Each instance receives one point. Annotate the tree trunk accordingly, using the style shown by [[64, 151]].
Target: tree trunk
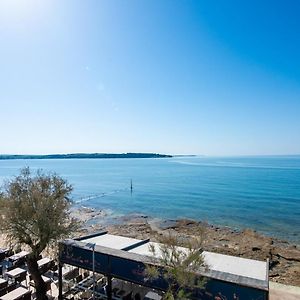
[[40, 285]]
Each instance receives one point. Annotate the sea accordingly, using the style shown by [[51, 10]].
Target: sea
[[261, 193]]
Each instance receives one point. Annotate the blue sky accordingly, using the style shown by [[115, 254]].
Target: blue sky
[[180, 77]]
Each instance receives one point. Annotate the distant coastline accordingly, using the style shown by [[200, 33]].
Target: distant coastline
[[84, 155]]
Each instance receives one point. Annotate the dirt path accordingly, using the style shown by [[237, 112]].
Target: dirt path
[[284, 292]]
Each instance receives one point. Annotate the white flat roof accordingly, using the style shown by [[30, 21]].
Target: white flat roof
[[145, 249], [236, 265], [217, 262], [228, 268], [112, 241]]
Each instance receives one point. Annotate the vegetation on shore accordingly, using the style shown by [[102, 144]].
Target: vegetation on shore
[[84, 155], [180, 265], [34, 215]]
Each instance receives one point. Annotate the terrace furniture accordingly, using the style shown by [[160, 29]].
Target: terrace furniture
[[3, 283], [3, 291], [54, 268], [78, 278], [44, 261], [10, 287], [3, 253], [17, 256], [16, 273], [45, 264], [87, 282], [22, 277], [18, 293], [70, 274], [20, 262], [9, 268], [47, 280]]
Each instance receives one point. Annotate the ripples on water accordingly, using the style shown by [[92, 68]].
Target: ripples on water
[[258, 192]]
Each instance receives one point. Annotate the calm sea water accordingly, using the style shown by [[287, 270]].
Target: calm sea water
[[262, 193]]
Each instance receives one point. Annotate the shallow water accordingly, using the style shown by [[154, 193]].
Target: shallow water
[[262, 193]]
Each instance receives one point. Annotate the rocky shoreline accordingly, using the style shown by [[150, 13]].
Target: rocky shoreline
[[284, 257]]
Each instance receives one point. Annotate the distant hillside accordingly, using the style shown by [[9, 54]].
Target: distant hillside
[[85, 155]]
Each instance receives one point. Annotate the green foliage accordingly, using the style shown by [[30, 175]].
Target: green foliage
[[85, 155], [180, 264], [35, 210]]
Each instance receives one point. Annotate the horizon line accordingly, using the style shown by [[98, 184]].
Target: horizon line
[[148, 153]]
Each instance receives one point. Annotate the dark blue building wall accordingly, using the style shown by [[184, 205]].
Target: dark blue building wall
[[135, 271]]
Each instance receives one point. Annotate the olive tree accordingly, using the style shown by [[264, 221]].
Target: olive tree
[[179, 261], [35, 214]]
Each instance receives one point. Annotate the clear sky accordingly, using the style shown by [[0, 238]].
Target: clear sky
[[179, 77]]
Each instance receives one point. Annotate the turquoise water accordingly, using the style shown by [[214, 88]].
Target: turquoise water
[[262, 193]]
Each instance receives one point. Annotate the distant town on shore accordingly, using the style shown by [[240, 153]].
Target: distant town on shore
[[84, 155]]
